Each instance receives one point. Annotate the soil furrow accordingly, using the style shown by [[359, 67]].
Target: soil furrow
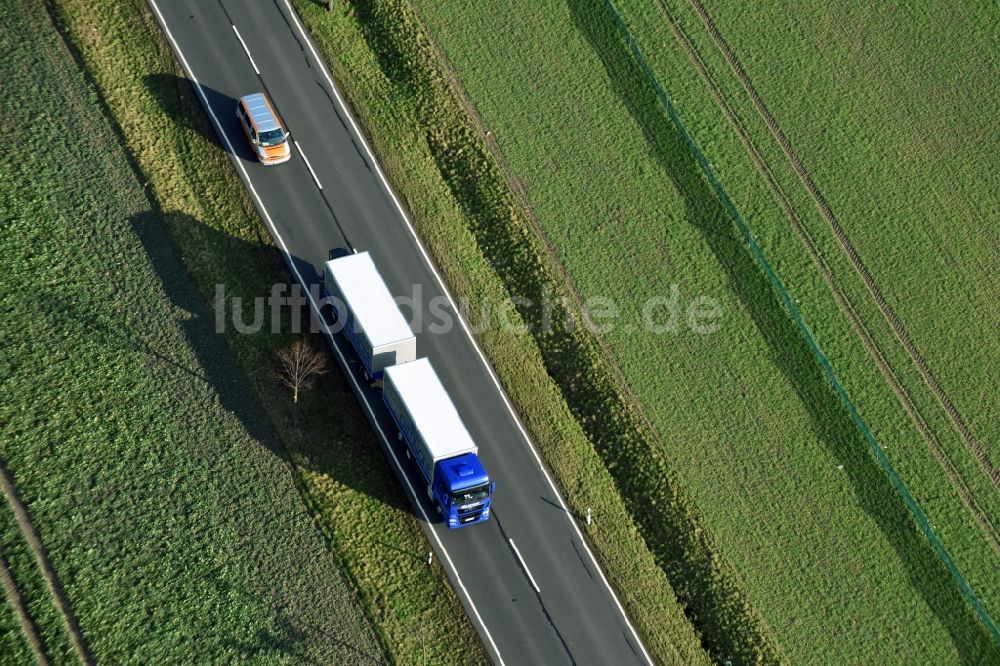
[[44, 565], [23, 618]]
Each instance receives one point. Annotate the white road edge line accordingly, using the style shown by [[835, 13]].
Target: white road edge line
[[524, 566], [465, 326], [308, 166], [245, 49], [326, 328]]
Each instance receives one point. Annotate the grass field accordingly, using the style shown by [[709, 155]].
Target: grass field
[[12, 642], [753, 431], [905, 91], [921, 436], [941, 470], [167, 507], [360, 508], [35, 597]]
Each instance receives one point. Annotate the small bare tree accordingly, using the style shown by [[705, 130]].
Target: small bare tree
[[298, 367]]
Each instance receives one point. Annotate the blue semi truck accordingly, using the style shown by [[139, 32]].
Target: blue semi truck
[[428, 422], [437, 440]]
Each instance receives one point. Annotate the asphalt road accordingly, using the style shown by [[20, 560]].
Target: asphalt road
[[526, 577]]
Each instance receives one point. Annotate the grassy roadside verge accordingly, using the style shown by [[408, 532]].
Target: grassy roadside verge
[[207, 216], [486, 246]]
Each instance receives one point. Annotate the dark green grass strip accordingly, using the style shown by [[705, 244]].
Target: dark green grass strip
[[761, 260]]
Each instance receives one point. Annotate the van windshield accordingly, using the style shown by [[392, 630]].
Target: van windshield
[[273, 137], [473, 494]]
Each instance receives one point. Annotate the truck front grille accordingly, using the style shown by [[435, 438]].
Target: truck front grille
[[462, 510], [470, 517]]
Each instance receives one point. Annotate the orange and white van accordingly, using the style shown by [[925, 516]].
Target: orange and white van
[[263, 128]]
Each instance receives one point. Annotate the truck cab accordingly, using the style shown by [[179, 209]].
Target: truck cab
[[463, 489]]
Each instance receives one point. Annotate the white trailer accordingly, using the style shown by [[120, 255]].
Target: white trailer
[[368, 314], [425, 414]]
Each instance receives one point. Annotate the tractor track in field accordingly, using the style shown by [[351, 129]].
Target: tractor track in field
[[28, 627], [973, 444], [44, 564], [986, 525]]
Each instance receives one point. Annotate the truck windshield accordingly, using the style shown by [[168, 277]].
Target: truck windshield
[[272, 138], [473, 494]]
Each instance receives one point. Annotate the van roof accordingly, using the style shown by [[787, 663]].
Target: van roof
[[258, 108]]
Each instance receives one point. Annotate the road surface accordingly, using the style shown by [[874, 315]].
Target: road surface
[[526, 577]]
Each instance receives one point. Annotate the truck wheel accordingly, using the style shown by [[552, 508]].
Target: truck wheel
[[409, 456], [438, 508], [399, 436]]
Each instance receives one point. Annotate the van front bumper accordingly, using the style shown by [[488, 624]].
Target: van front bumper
[[268, 161]]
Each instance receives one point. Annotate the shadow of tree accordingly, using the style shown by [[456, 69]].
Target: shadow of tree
[[217, 367], [169, 91], [211, 338], [174, 95]]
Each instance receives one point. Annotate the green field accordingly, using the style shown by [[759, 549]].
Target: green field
[[12, 642], [937, 462], [827, 554], [906, 92], [35, 597], [162, 495]]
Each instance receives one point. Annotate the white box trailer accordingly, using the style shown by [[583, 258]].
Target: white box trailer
[[426, 415], [368, 314]]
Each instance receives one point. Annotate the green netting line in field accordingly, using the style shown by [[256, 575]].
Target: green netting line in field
[[762, 262]]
